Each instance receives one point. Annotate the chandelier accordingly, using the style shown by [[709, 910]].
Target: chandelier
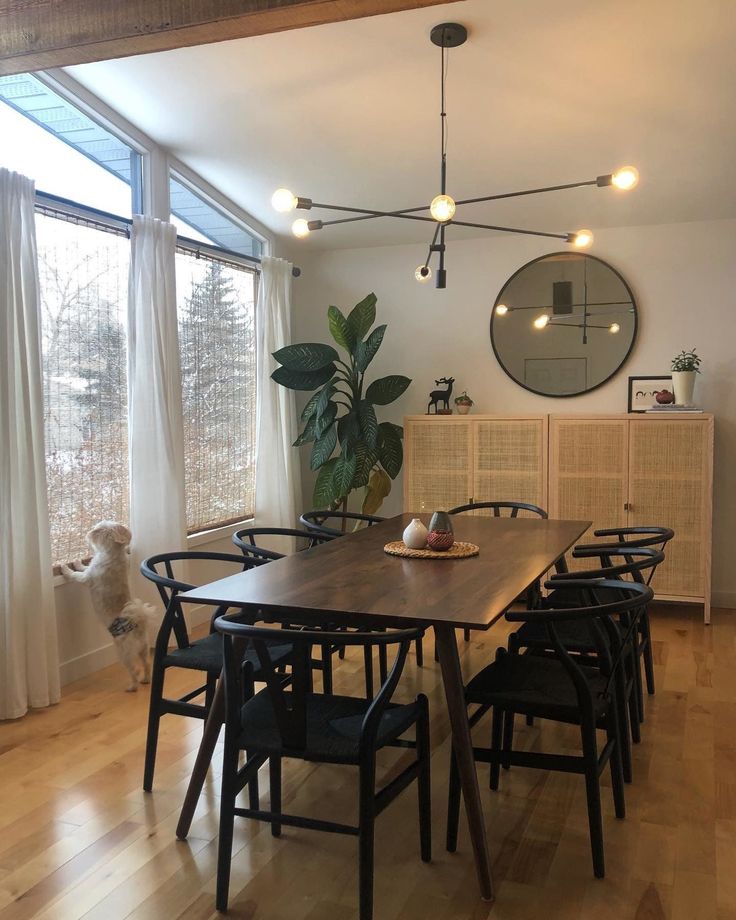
[[443, 209]]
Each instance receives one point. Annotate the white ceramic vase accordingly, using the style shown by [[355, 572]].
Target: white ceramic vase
[[415, 534], [683, 383]]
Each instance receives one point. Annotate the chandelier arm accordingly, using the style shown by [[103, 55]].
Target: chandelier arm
[[594, 303], [529, 191], [369, 213], [576, 326], [554, 236]]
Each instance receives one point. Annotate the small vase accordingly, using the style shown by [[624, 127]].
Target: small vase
[[440, 531], [684, 385], [415, 534], [462, 408]]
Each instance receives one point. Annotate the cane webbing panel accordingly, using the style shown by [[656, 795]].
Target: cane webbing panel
[[589, 474], [668, 476], [509, 461], [438, 465]]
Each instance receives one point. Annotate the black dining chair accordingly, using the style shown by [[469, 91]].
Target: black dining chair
[[561, 689], [199, 655], [296, 722], [622, 564]]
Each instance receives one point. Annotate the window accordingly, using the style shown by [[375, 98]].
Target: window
[[83, 274], [216, 303], [46, 137], [197, 219]]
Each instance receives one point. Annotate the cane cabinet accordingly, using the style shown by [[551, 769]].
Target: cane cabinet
[[614, 470]]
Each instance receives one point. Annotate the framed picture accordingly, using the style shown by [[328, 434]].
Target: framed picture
[[643, 392]]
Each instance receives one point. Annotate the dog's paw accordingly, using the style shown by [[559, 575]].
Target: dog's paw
[[65, 571], [131, 688], [146, 680]]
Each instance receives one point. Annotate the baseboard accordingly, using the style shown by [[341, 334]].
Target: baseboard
[[103, 657], [725, 599]]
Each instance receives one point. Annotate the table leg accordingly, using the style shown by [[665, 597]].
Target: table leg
[[212, 727], [453, 680]]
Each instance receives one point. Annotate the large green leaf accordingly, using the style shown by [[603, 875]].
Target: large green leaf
[[365, 352], [379, 487], [390, 449], [340, 330], [322, 422], [311, 407], [309, 356], [348, 430], [386, 389], [302, 380], [368, 422], [366, 458], [323, 447], [324, 396], [343, 475], [309, 434], [324, 488], [362, 317]]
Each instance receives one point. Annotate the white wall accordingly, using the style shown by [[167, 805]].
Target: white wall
[[682, 275]]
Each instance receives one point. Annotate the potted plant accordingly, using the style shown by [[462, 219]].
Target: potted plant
[[350, 447], [684, 368], [463, 403]]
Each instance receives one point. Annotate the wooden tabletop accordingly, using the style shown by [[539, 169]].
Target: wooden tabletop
[[353, 576]]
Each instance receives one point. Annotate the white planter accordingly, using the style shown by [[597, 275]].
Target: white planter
[[415, 535], [462, 408], [683, 383]]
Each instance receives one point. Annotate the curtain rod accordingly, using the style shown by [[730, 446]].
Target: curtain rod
[[55, 205]]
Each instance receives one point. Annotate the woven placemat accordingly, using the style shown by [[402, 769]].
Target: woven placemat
[[456, 551]]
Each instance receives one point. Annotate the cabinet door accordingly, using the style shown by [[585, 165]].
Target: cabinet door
[[438, 464], [669, 486], [589, 472], [510, 460]]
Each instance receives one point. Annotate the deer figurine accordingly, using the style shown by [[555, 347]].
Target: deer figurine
[[441, 396]]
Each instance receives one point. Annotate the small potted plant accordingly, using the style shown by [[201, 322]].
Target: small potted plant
[[463, 403], [684, 368]]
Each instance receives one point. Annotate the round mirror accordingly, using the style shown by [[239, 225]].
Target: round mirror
[[563, 324]]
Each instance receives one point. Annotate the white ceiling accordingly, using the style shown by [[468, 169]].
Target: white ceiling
[[543, 93]]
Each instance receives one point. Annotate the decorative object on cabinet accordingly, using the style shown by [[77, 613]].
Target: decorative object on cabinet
[[648, 391], [442, 208], [415, 534], [463, 403], [341, 412], [685, 366], [620, 470], [563, 324], [441, 396]]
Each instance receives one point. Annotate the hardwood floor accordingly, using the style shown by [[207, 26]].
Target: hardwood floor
[[80, 839]]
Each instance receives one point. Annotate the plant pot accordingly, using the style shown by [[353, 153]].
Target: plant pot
[[463, 408], [683, 383]]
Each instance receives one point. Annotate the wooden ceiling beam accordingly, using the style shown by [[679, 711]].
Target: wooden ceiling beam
[[37, 34]]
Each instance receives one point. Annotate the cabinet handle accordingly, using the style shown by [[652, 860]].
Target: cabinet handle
[[628, 506]]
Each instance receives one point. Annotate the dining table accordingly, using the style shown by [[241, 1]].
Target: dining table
[[353, 580]]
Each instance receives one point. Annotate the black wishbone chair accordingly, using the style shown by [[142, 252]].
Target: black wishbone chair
[[296, 722], [204, 655], [614, 563], [561, 689]]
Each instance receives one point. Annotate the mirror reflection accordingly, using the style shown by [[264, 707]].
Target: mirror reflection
[[563, 324]]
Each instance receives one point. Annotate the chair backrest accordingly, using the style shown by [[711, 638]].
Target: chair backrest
[[614, 561], [317, 521], [599, 613], [645, 537], [290, 703], [501, 509], [160, 570], [248, 538]]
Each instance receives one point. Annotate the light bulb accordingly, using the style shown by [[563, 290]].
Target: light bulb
[[625, 178], [423, 273], [541, 321], [502, 309], [300, 228], [582, 239], [442, 208], [283, 200], [614, 327]]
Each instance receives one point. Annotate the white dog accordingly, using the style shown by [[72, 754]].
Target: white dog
[[124, 617]]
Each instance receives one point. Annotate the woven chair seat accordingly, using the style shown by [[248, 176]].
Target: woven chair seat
[[333, 727], [206, 655], [534, 686]]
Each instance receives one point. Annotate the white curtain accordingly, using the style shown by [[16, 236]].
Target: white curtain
[[156, 433], [29, 665], [278, 478]]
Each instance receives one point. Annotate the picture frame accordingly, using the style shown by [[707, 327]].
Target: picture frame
[[642, 390]]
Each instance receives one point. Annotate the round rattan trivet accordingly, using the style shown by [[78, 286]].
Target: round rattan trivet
[[456, 551]]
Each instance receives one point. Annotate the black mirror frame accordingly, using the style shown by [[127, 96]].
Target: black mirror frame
[[606, 379]]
